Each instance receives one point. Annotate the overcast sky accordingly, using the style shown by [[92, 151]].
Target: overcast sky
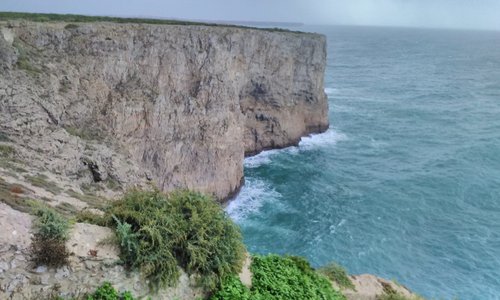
[[481, 14]]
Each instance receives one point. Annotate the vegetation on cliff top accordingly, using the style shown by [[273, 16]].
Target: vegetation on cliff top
[[39, 17]]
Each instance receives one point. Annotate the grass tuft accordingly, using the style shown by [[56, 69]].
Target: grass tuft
[[14, 200], [25, 55], [337, 274], [391, 294], [92, 199], [85, 133], [87, 216], [42, 181], [6, 150]]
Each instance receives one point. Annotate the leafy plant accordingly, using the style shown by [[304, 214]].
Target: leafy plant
[[158, 232], [107, 292], [232, 288], [128, 240], [278, 278], [337, 274], [48, 243], [51, 225]]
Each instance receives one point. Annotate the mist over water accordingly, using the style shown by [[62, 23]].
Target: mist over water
[[406, 183]]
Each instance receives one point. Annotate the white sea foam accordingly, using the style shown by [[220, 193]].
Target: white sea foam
[[327, 138], [250, 199], [260, 159], [330, 91], [265, 157]]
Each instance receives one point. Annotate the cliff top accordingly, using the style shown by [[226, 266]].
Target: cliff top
[[70, 18]]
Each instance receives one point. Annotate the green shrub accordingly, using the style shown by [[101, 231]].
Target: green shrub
[[157, 233], [232, 288], [51, 225], [108, 292], [70, 26], [278, 278], [48, 243], [337, 274]]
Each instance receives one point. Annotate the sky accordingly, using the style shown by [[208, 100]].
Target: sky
[[473, 14]]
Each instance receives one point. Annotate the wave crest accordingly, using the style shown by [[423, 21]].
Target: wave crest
[[250, 199]]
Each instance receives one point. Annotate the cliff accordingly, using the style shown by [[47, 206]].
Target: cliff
[[124, 104]]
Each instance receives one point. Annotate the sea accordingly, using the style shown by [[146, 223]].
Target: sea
[[405, 184]]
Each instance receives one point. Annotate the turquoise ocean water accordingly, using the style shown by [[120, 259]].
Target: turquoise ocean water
[[406, 182]]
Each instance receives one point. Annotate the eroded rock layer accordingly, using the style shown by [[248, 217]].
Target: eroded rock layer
[[177, 105]]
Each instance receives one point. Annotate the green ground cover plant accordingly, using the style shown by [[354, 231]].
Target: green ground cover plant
[[159, 232], [278, 278], [107, 292]]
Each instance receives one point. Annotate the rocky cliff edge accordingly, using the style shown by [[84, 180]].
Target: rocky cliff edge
[[124, 104]]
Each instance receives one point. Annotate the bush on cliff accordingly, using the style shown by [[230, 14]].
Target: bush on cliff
[[107, 292], [158, 232], [48, 243], [337, 274], [278, 278]]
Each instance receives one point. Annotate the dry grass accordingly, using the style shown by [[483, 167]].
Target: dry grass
[[16, 189], [14, 200], [42, 181]]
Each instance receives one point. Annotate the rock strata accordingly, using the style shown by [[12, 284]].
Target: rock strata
[[176, 105]]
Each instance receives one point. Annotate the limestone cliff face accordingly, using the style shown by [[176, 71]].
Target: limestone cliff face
[[180, 105]]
